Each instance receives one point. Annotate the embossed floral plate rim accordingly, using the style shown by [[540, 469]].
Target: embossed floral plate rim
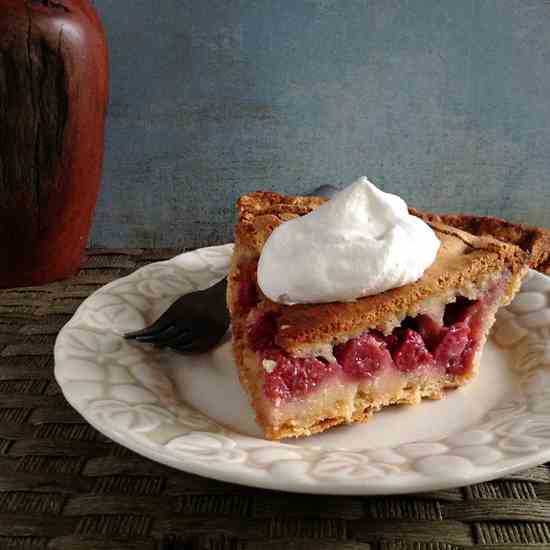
[[120, 389]]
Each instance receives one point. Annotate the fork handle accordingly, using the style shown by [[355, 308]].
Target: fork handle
[[327, 191]]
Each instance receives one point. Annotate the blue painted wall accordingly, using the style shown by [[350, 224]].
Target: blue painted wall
[[446, 102]]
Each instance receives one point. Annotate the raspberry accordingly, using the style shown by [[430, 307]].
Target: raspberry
[[449, 351], [361, 357], [410, 352], [276, 389], [294, 377]]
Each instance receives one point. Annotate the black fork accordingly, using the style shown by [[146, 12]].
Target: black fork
[[195, 322]]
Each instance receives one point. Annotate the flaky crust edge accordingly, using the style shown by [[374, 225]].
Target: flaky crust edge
[[535, 241]]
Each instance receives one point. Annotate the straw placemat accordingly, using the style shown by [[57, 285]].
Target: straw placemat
[[65, 486]]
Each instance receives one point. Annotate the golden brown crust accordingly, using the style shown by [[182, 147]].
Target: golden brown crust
[[463, 259], [535, 241], [260, 212]]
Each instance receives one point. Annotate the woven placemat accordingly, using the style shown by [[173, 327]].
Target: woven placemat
[[65, 486]]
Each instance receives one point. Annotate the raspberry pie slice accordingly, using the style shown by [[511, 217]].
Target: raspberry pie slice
[[307, 368]]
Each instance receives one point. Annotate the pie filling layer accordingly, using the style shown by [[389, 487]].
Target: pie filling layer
[[419, 346]]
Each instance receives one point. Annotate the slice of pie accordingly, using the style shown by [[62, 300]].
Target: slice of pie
[[307, 368]]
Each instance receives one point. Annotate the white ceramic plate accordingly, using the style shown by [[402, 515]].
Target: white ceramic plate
[[170, 407]]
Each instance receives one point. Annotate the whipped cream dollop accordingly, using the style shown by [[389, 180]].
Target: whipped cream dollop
[[360, 243]]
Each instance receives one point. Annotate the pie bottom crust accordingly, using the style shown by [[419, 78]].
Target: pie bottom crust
[[335, 404]]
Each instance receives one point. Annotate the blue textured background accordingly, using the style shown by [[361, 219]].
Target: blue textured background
[[444, 102]]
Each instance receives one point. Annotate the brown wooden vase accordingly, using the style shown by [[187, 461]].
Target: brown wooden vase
[[53, 101]]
